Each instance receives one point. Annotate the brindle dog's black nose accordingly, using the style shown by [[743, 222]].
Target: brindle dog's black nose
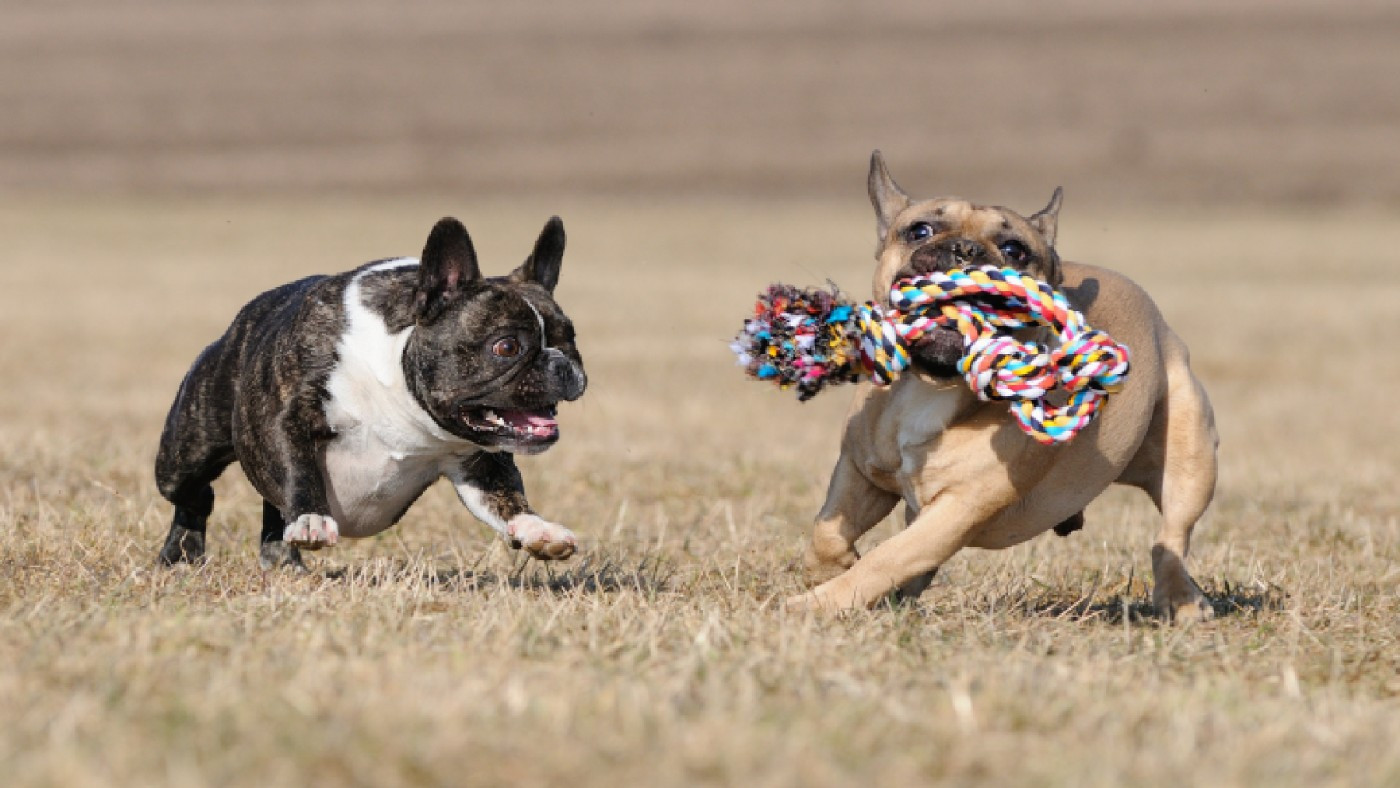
[[946, 255], [569, 378]]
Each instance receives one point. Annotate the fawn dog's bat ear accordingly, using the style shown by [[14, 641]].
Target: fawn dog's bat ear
[[1046, 221], [885, 194]]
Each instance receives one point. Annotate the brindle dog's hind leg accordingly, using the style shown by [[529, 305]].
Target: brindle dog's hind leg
[[273, 551], [185, 541], [195, 447], [1176, 466]]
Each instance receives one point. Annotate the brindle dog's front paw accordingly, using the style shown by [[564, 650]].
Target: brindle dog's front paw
[[312, 532], [540, 538]]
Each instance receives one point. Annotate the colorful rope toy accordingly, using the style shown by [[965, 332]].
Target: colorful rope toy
[[808, 338]]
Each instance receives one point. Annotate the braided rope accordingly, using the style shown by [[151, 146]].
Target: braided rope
[[1086, 362]]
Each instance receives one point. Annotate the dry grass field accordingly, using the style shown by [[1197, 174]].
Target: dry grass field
[[433, 655], [161, 162]]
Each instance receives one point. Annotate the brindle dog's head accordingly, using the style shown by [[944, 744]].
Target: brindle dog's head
[[923, 236], [491, 357]]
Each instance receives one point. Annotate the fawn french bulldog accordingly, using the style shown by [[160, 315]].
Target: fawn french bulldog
[[965, 472]]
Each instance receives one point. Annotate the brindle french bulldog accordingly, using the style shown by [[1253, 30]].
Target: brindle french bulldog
[[966, 473], [344, 397]]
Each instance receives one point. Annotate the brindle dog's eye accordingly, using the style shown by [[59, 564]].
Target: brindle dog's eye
[[1015, 251], [507, 347], [918, 231]]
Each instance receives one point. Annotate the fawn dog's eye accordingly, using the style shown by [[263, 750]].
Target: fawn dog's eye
[[1014, 251], [918, 231]]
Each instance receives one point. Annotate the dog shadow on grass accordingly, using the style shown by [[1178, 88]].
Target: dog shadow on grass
[[590, 575], [1226, 602]]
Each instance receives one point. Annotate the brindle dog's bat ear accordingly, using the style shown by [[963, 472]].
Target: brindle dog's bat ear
[[447, 265], [543, 264], [885, 194], [1047, 219]]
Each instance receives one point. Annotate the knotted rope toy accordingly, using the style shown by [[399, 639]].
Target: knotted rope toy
[[809, 338]]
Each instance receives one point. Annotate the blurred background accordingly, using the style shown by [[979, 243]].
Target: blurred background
[[1259, 102]]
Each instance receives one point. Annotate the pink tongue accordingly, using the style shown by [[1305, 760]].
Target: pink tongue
[[524, 418]]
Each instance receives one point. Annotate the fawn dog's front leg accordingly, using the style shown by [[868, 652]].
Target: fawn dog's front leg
[[853, 506], [943, 526]]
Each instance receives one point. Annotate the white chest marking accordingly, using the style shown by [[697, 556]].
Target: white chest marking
[[919, 428], [925, 421], [387, 449]]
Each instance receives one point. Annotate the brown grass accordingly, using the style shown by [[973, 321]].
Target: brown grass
[[432, 655]]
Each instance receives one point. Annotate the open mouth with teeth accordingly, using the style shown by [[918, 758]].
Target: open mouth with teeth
[[517, 425]]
